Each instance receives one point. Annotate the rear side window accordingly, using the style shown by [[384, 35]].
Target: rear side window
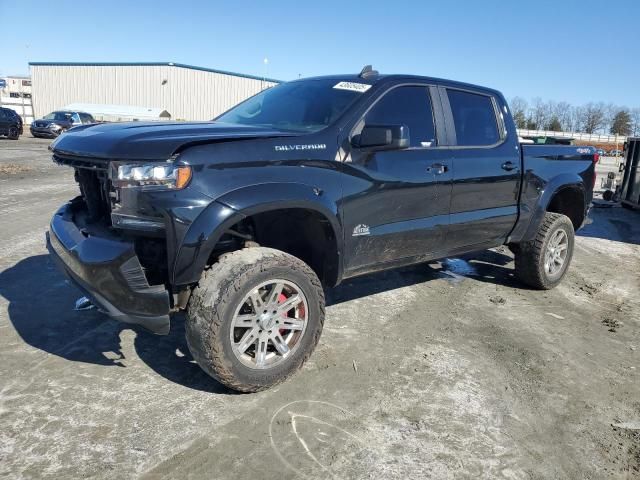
[[410, 106], [474, 118]]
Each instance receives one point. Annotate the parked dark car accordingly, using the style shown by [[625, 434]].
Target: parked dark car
[[55, 123], [244, 221], [10, 123]]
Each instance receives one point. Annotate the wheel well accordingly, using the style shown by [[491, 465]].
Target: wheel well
[[303, 233], [569, 201]]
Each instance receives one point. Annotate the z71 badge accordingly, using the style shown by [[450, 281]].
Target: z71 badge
[[361, 230]]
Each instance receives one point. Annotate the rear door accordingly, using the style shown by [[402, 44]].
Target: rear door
[[485, 171], [396, 206]]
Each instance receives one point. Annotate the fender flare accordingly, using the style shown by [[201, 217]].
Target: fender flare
[[553, 186], [206, 230]]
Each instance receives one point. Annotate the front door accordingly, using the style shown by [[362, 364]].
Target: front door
[[396, 203]]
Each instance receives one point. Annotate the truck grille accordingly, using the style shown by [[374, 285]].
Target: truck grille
[[81, 162], [92, 175]]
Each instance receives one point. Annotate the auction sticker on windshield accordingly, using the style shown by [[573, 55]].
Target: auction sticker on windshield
[[353, 86]]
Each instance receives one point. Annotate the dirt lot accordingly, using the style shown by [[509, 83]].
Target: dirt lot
[[446, 370]]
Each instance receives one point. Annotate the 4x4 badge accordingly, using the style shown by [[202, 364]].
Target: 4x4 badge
[[360, 230]]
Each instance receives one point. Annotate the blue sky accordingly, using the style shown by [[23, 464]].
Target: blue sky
[[575, 51]]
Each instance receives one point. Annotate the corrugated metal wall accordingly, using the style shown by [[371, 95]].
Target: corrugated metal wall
[[187, 94]]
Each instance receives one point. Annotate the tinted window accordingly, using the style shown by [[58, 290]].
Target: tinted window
[[304, 106], [410, 106], [60, 116], [86, 118], [474, 118]]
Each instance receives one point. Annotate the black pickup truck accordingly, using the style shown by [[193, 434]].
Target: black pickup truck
[[243, 221]]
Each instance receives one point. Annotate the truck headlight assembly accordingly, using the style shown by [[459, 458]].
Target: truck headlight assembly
[[167, 175]]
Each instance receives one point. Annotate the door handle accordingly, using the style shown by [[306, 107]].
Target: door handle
[[437, 168], [508, 166]]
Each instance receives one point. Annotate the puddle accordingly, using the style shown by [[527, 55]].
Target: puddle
[[457, 269]]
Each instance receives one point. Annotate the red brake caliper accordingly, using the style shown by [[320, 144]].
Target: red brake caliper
[[282, 299]]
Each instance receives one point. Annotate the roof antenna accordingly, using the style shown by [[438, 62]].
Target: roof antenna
[[367, 72]]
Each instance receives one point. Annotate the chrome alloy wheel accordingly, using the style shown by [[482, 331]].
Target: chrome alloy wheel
[[556, 253], [269, 323]]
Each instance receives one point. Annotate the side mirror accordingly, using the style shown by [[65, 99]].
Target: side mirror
[[382, 137]]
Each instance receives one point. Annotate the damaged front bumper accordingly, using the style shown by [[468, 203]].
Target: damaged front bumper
[[108, 271]]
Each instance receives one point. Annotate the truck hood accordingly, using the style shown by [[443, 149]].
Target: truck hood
[[153, 140]]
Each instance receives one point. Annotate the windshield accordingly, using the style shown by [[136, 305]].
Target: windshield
[[66, 116], [301, 106]]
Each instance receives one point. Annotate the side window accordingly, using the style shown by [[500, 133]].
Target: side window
[[410, 106], [474, 118], [75, 118], [3, 115]]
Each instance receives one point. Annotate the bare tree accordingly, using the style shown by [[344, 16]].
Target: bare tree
[[562, 116], [635, 121], [593, 117], [554, 125], [562, 111], [519, 107], [539, 114], [570, 121]]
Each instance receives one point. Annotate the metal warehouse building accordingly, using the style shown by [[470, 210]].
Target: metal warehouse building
[[185, 91]]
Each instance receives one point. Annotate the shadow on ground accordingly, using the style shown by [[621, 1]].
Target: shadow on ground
[[41, 304], [611, 222], [41, 310]]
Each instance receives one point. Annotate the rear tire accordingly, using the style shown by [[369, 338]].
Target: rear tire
[[232, 314], [543, 262], [14, 133]]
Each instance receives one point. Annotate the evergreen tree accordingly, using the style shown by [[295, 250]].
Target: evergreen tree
[[621, 124]]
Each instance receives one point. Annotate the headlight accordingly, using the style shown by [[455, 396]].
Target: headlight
[[166, 175]]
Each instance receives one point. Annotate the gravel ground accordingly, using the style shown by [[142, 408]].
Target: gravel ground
[[445, 370]]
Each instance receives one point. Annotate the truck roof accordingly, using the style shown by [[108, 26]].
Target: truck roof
[[396, 77]]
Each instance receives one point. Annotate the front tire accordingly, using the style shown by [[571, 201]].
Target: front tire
[[255, 318], [543, 262]]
